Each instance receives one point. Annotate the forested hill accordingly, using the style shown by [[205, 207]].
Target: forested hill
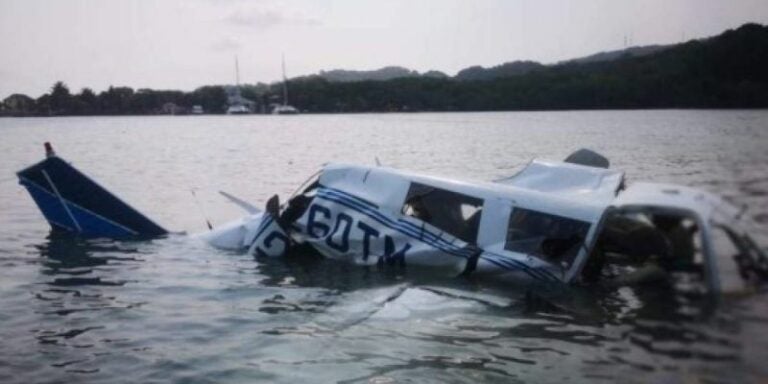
[[471, 73], [382, 74], [477, 72], [726, 71]]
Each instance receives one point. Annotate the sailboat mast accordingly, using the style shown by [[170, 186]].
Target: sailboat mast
[[237, 73], [285, 84]]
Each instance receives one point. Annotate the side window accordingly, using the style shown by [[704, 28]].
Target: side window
[[455, 213], [556, 239]]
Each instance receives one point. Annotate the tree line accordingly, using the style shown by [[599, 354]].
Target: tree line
[[114, 101], [726, 71]]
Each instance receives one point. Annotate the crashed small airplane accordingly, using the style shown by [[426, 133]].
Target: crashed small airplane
[[553, 222]]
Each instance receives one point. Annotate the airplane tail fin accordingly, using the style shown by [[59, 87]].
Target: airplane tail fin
[[73, 202]]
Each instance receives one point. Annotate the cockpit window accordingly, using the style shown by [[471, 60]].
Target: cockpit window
[[554, 238], [453, 212]]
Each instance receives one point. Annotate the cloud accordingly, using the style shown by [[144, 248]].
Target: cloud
[[267, 19], [225, 44]]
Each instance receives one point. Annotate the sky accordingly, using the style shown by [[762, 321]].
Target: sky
[[183, 44]]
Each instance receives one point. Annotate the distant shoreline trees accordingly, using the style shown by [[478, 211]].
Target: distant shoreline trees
[[114, 101], [726, 71]]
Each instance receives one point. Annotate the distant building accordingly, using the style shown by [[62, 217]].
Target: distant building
[[197, 110]]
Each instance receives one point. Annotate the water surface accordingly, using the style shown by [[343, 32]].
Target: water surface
[[177, 310]]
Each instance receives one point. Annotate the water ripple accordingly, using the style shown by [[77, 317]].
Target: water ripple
[[175, 310]]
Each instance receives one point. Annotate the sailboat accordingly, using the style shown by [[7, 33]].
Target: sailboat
[[236, 101], [285, 108]]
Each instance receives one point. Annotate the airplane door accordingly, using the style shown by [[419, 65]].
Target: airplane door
[[493, 224]]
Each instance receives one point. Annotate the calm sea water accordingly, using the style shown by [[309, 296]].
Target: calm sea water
[[176, 310]]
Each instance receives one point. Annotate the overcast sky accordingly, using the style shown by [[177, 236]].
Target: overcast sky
[[182, 44]]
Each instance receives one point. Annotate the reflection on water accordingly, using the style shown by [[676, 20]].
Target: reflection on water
[[76, 286], [77, 269], [65, 255], [175, 310]]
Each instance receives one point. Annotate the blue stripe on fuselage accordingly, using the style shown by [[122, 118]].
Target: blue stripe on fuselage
[[383, 220], [416, 232], [403, 226]]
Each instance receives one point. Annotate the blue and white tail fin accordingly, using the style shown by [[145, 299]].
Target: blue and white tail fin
[[72, 202]]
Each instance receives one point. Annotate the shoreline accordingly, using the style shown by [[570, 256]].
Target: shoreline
[[605, 109]]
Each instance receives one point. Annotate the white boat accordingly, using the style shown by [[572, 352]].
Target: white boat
[[238, 105], [553, 222], [285, 108], [238, 109]]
